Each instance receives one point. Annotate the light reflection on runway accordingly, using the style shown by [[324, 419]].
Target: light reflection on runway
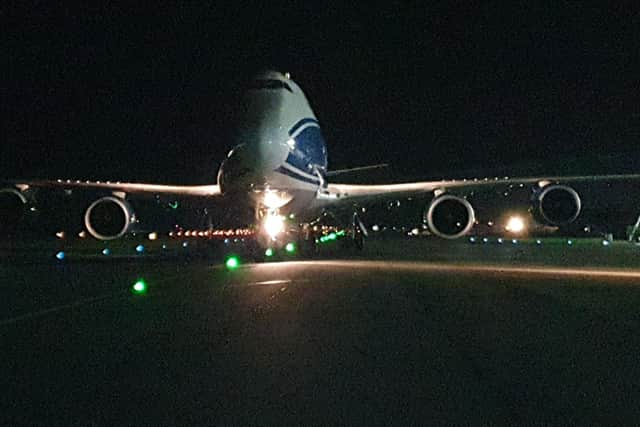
[[573, 272]]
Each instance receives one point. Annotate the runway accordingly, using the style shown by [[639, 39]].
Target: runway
[[451, 340]]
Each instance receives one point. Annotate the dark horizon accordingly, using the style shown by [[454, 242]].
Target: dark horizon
[[139, 95]]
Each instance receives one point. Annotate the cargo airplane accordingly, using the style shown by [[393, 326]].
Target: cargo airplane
[[278, 172]]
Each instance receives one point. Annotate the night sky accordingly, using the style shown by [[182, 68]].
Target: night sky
[[152, 94]]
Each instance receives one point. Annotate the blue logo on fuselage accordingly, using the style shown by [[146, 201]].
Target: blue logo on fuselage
[[309, 152]]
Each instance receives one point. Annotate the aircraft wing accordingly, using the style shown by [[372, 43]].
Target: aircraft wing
[[129, 188], [452, 208], [355, 192], [106, 209]]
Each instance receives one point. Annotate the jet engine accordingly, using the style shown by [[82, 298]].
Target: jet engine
[[557, 205], [12, 208], [449, 216], [108, 218]]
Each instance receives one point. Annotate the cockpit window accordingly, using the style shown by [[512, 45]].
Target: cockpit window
[[270, 84]]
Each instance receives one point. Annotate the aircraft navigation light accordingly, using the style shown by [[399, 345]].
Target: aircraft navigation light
[[140, 287], [515, 224], [232, 262], [273, 225]]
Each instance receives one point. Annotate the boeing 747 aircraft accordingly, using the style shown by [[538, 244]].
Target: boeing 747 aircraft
[[278, 172]]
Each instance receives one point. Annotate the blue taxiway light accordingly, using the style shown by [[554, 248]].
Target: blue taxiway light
[[140, 249], [106, 252], [60, 255]]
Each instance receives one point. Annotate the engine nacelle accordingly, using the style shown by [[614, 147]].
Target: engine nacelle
[[108, 218], [13, 205], [557, 205], [450, 216]]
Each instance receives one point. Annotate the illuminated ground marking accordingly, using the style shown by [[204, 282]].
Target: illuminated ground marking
[[494, 269], [270, 282]]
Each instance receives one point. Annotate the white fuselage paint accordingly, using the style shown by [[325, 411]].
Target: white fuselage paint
[[276, 122]]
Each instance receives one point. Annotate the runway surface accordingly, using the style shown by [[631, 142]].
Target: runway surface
[[446, 340]]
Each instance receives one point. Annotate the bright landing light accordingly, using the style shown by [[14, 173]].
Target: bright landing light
[[272, 200], [273, 225], [515, 224]]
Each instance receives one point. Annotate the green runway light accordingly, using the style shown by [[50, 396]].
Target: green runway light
[[290, 247], [232, 262], [268, 252], [140, 287], [332, 236]]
